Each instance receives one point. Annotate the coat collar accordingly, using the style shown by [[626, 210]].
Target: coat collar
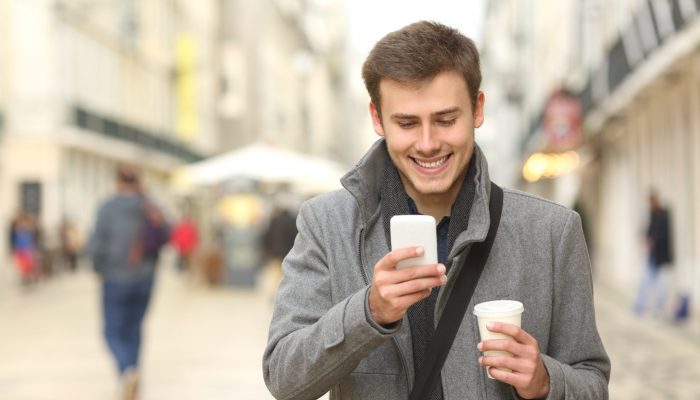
[[365, 179]]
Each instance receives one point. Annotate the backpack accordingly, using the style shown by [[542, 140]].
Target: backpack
[[155, 231]]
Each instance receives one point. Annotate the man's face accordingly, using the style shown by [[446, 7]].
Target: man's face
[[429, 131]]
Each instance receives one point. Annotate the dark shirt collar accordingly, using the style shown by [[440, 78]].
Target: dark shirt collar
[[395, 201], [442, 229]]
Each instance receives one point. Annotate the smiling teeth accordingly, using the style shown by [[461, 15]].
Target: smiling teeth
[[433, 164]]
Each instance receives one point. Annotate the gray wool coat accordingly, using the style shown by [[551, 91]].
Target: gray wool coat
[[322, 337]]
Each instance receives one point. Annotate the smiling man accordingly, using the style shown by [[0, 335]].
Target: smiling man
[[347, 321]]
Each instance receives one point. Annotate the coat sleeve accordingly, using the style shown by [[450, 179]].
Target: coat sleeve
[[578, 366], [313, 341]]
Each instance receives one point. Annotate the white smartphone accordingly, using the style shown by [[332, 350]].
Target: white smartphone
[[414, 230]]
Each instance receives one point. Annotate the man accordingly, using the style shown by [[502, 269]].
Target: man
[[658, 242], [124, 247], [347, 321]]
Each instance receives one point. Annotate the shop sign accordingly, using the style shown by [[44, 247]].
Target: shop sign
[[562, 122]]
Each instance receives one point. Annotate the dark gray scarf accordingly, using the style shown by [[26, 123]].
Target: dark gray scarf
[[395, 201]]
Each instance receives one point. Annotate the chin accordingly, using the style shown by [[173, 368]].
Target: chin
[[431, 189]]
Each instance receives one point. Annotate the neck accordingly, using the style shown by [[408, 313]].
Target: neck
[[437, 205], [127, 190]]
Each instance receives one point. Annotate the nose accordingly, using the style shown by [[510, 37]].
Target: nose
[[427, 143]]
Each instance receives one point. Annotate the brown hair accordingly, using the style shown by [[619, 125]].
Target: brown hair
[[127, 174], [417, 53]]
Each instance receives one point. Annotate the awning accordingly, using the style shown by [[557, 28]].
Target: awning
[[264, 163]]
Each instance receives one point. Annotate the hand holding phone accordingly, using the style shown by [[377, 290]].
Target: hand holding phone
[[414, 230], [396, 284]]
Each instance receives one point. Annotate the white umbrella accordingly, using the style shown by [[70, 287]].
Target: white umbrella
[[265, 163]]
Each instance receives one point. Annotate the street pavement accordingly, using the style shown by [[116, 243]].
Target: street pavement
[[200, 343], [652, 357], [203, 343]]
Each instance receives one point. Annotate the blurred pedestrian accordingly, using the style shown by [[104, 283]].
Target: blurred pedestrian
[[278, 239], [70, 244], [653, 285], [124, 247], [184, 239], [23, 242]]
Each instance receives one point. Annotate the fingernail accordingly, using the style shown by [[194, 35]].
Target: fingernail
[[479, 346], [490, 325], [443, 278], [481, 360], [419, 251], [441, 269]]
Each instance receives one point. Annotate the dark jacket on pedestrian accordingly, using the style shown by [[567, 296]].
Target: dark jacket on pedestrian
[[280, 234], [659, 237], [122, 226]]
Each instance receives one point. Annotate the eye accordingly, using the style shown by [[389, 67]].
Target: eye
[[406, 124], [446, 122]]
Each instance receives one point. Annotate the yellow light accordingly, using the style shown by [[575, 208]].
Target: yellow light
[[535, 167], [550, 165]]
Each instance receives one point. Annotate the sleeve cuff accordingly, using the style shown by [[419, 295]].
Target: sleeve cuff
[[382, 329], [557, 385], [556, 380]]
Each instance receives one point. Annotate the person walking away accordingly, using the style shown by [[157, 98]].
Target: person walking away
[[124, 247], [346, 320], [653, 285]]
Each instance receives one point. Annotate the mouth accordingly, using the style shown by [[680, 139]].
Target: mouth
[[433, 164]]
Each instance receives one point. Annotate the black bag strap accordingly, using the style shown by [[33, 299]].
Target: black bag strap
[[470, 270]]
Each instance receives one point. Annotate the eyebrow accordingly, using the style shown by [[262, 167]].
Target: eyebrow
[[435, 114]]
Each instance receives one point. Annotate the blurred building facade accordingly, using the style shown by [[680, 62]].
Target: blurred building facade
[[283, 64], [87, 84], [616, 87]]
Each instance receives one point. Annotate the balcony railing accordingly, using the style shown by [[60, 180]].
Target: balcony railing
[[120, 130]]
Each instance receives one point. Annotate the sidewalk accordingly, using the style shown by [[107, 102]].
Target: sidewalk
[[199, 343], [207, 344], [651, 358]]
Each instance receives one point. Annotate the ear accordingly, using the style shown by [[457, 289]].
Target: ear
[[479, 110], [376, 119]]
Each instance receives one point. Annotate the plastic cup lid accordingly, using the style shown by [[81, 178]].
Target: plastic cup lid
[[498, 308]]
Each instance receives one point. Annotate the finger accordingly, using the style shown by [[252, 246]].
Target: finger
[[509, 345], [511, 330], [516, 365], [421, 271], [415, 285], [384, 278], [410, 299], [509, 378], [389, 261]]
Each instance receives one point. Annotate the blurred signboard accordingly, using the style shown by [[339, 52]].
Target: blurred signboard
[[562, 121], [186, 87]]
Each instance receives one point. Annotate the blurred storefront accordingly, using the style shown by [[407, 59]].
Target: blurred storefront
[[629, 69]]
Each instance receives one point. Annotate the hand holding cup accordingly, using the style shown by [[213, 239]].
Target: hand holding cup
[[511, 355]]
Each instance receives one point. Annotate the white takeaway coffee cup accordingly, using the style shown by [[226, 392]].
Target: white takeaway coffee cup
[[508, 311]]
